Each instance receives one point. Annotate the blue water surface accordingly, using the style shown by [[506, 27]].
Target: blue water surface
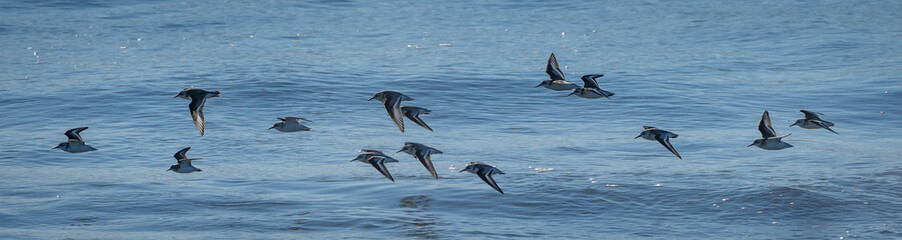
[[705, 70]]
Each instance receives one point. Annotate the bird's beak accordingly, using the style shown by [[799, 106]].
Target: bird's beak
[[792, 125], [270, 128], [176, 96], [571, 93], [539, 85], [399, 151], [55, 147], [637, 136], [751, 144], [371, 98], [463, 170], [168, 170]]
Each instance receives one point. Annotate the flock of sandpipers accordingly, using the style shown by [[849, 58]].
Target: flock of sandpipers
[[391, 100]]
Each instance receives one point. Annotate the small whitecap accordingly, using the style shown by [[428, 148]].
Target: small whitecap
[[140, 39], [867, 203], [452, 167], [594, 30], [611, 185], [725, 199], [445, 45], [413, 46], [591, 179], [658, 185], [775, 223], [792, 203], [122, 47], [35, 53], [530, 167], [881, 112], [252, 36], [742, 208], [563, 34], [759, 212], [594, 181]]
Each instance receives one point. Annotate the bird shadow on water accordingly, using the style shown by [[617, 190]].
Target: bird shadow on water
[[418, 222]]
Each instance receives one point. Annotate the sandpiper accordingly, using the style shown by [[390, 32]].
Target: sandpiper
[[662, 136], [198, 97], [184, 163], [290, 124], [377, 159], [413, 113], [769, 139], [812, 121], [557, 81], [485, 172], [422, 153], [590, 88], [392, 102], [75, 144]]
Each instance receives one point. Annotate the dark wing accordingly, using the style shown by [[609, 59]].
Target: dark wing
[[74, 134], [379, 164], [423, 156], [599, 92], [589, 81], [393, 106], [810, 114], [486, 176], [666, 142], [197, 112], [415, 117], [553, 70], [181, 154], [764, 126], [823, 125]]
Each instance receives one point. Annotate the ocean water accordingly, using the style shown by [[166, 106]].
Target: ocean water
[[705, 70]]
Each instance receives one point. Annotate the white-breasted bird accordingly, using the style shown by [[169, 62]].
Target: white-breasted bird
[[769, 139], [557, 81], [290, 124], [75, 144], [662, 136], [812, 121], [184, 163], [590, 88]]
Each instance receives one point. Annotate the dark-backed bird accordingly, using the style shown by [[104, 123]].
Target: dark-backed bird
[[198, 98]]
